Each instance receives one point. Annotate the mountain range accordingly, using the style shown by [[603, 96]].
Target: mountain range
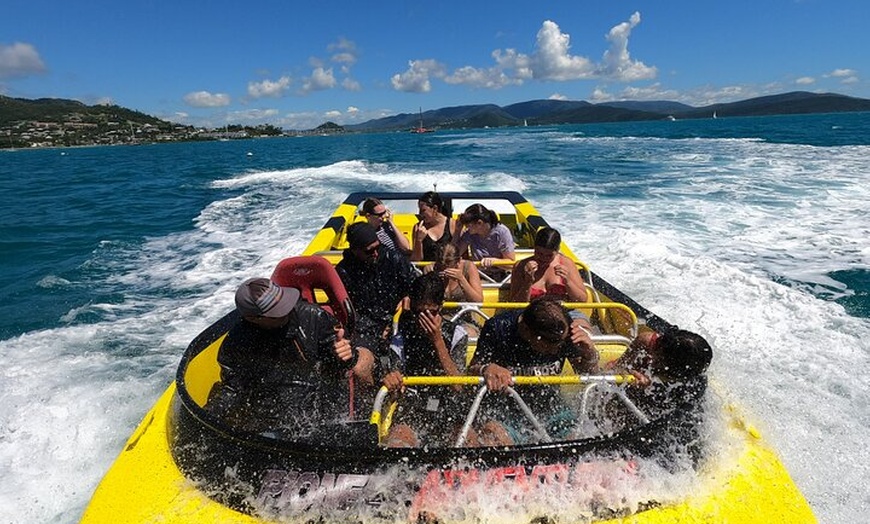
[[548, 112], [14, 111]]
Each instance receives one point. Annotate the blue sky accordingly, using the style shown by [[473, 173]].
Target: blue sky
[[297, 64]]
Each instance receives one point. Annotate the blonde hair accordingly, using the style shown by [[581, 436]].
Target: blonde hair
[[447, 257]]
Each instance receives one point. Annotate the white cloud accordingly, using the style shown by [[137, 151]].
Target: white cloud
[[599, 95], [344, 52], [206, 99], [651, 92], [252, 116], [492, 78], [557, 96], [269, 88], [416, 78], [842, 73], [20, 60], [617, 63], [805, 81], [319, 80], [699, 97], [352, 110], [551, 61], [332, 114], [846, 76], [351, 85]]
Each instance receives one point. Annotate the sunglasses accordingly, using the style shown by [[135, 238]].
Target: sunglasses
[[379, 215]]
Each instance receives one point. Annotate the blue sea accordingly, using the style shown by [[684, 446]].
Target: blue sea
[[752, 231]]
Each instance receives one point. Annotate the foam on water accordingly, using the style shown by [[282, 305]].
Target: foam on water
[[797, 362], [745, 234]]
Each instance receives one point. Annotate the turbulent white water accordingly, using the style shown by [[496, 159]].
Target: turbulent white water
[[724, 237]]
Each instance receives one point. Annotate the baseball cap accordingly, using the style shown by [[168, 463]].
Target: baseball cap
[[360, 235], [260, 297]]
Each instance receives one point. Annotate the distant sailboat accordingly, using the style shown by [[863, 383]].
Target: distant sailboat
[[714, 114], [420, 128]]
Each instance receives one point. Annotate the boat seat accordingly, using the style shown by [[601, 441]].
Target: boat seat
[[310, 273]]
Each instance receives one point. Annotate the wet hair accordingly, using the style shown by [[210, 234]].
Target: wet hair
[[684, 354], [446, 256], [433, 199], [427, 289], [545, 317], [370, 204], [548, 238], [476, 212]]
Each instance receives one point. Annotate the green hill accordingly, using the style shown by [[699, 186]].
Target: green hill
[[14, 110]]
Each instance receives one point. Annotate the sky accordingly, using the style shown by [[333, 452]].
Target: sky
[[297, 64]]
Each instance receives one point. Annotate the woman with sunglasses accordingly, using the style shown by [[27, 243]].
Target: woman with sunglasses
[[380, 218], [547, 272]]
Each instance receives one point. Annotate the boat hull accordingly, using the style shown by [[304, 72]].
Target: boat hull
[[184, 465]]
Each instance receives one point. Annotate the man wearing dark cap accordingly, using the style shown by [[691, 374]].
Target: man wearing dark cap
[[278, 360], [377, 280]]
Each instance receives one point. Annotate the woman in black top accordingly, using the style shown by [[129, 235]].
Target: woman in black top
[[436, 228]]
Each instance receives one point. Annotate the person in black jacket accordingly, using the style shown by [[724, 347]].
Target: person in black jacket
[[283, 364], [377, 280], [427, 345]]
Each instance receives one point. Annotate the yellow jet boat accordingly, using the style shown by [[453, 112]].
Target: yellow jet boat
[[699, 462]]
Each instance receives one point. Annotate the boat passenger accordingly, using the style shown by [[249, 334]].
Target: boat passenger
[[377, 280], [277, 356], [547, 272], [489, 240], [462, 285], [436, 227], [669, 367], [427, 345], [381, 218], [533, 341], [461, 276]]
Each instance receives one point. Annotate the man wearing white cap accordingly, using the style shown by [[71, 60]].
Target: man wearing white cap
[[275, 358]]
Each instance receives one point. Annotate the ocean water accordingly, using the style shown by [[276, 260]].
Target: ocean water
[[752, 231]]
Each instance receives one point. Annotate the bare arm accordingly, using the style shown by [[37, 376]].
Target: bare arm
[[581, 336], [402, 243], [521, 280], [473, 288], [470, 285], [567, 270], [418, 234]]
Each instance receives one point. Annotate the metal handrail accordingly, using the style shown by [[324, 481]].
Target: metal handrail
[[377, 417], [477, 307]]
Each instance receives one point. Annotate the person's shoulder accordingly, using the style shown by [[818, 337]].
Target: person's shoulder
[[241, 327], [305, 309], [501, 229]]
